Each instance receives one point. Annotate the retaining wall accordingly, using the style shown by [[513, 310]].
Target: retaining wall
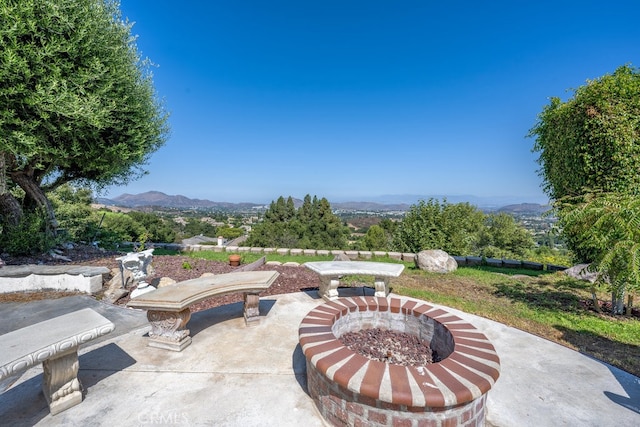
[[353, 254]]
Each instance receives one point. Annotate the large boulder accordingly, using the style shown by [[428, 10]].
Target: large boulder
[[436, 261], [581, 272]]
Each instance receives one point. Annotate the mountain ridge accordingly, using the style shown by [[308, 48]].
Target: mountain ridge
[[382, 203]]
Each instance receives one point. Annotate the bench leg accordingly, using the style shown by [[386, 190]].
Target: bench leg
[[329, 288], [251, 308], [381, 286], [169, 329], [60, 382]]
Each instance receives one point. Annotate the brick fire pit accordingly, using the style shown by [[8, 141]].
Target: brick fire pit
[[350, 389]]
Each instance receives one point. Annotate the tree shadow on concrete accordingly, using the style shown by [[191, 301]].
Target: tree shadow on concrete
[[593, 345], [204, 319]]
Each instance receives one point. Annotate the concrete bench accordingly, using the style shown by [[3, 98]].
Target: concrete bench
[[18, 278], [331, 271], [54, 343], [168, 307]]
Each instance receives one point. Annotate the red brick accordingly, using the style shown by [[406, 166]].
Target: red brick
[[377, 417], [360, 423], [389, 406], [342, 415], [402, 422], [466, 415], [355, 408], [450, 422], [427, 423]]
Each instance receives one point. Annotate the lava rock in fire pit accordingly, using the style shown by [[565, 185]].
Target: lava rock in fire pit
[[397, 348]]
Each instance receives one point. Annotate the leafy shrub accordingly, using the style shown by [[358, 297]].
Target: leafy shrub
[[30, 236]]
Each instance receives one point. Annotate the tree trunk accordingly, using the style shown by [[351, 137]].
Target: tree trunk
[[594, 298], [35, 193], [617, 301], [629, 311], [10, 210]]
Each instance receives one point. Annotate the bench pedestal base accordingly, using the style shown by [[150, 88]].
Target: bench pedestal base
[[169, 328], [328, 289], [60, 384], [251, 308]]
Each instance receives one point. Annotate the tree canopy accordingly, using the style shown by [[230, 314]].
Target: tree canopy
[[460, 229], [452, 228], [591, 142], [313, 225], [77, 102]]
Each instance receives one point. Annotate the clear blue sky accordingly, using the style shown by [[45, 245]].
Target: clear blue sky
[[350, 100]]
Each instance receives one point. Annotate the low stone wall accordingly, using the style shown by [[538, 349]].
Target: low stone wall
[[16, 278], [363, 255]]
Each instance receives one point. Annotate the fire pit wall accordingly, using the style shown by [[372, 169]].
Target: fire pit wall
[[350, 389]]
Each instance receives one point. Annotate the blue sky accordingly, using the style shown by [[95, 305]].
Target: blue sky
[[351, 100]]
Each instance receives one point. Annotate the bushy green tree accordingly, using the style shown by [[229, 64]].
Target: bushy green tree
[[453, 228], [77, 103], [73, 210], [156, 228], [230, 232], [197, 227], [460, 229], [118, 227], [313, 225], [590, 144], [503, 237], [376, 239]]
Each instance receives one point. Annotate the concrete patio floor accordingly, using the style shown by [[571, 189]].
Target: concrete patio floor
[[232, 375]]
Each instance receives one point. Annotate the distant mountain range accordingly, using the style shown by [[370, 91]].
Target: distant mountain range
[[383, 203]]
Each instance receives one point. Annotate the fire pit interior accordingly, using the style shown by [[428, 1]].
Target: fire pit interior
[[352, 386]]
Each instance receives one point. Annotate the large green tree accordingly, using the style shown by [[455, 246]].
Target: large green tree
[[453, 228], [77, 102], [591, 142], [313, 225]]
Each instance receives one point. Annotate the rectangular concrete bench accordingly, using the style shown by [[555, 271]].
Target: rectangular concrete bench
[[331, 271], [54, 343], [168, 307]]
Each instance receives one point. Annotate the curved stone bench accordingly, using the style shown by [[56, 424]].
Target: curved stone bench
[[331, 271], [54, 343], [31, 277], [168, 307]]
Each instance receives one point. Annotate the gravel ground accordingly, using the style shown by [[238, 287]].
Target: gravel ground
[[291, 279]]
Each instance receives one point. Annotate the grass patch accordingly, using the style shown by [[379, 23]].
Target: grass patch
[[247, 257], [549, 305]]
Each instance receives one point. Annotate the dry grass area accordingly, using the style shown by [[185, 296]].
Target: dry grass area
[[551, 306]]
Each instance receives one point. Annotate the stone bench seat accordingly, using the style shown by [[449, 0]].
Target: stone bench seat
[[32, 277], [168, 307], [54, 343], [331, 271]]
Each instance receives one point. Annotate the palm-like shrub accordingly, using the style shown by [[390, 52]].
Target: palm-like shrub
[[607, 226]]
